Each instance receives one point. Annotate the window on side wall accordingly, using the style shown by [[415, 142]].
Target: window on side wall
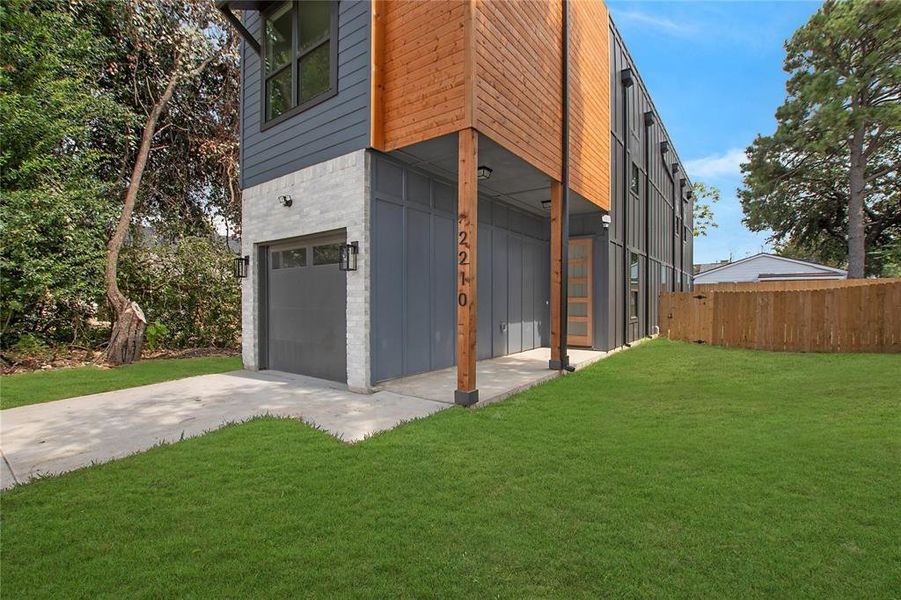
[[300, 57], [634, 277], [634, 182]]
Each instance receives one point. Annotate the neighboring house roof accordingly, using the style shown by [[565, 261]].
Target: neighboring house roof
[[768, 267], [704, 267]]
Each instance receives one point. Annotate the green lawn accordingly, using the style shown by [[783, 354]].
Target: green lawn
[[670, 470], [44, 386]]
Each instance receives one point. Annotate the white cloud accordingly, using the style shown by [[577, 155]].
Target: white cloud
[[657, 22], [716, 165]]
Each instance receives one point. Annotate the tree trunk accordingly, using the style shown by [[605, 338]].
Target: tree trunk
[[127, 337], [856, 225]]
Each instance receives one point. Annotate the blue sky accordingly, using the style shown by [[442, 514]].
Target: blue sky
[[714, 70]]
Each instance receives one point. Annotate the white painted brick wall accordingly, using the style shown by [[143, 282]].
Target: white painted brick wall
[[329, 195]]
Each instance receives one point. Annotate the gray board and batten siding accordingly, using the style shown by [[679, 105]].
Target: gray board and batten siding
[[645, 223], [332, 128], [413, 274]]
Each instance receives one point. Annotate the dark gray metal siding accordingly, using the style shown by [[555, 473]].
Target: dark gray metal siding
[[330, 129], [413, 288], [642, 225]]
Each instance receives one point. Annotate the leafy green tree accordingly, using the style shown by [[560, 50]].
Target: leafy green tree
[[193, 300], [55, 207], [827, 181], [705, 196], [172, 43]]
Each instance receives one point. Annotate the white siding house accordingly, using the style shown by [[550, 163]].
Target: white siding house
[[768, 267]]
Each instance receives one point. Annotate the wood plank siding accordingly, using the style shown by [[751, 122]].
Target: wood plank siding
[[589, 101], [496, 66], [518, 75], [422, 71]]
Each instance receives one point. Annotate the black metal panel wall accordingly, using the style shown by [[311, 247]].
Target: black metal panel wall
[[413, 270], [651, 217]]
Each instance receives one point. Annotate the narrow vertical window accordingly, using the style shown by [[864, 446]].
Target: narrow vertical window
[[634, 268], [279, 43], [314, 49]]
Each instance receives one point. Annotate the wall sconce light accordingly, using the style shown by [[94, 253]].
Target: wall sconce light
[[286, 200], [625, 76], [240, 267], [546, 204], [664, 147], [605, 221], [483, 172], [348, 259]]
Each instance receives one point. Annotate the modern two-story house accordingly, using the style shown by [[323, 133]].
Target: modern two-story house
[[432, 183]]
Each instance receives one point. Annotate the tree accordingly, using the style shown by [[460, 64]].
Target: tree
[[827, 181], [705, 197], [171, 43], [55, 205]]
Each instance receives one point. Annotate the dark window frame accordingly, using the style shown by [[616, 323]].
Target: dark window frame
[[294, 64], [635, 179], [634, 286]]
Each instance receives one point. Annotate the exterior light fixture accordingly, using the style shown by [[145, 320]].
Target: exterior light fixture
[[546, 204], [484, 172], [625, 76], [348, 258], [664, 147], [605, 221], [286, 200], [240, 267], [649, 119], [675, 168]]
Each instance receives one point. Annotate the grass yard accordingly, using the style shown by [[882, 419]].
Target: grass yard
[[44, 386], [670, 470]]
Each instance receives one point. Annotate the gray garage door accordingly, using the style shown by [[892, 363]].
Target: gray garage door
[[307, 309]]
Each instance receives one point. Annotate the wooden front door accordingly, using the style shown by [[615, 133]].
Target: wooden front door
[[580, 298]]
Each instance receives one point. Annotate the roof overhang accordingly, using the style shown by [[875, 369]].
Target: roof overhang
[[227, 8]]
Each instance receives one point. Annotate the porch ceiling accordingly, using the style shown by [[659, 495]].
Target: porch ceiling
[[512, 180]]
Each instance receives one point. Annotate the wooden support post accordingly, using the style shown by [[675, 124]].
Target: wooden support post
[[556, 361], [377, 52], [467, 244]]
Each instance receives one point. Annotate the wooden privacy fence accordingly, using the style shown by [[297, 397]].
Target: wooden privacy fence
[[774, 286], [860, 317]]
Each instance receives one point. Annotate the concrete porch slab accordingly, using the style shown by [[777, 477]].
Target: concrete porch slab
[[54, 437], [497, 378]]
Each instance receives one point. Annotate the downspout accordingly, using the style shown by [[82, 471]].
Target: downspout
[[564, 199], [678, 236], [675, 170], [627, 81], [649, 122]]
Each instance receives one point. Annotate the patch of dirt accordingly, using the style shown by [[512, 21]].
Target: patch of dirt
[[66, 358]]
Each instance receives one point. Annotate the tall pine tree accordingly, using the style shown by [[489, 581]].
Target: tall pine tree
[[827, 181]]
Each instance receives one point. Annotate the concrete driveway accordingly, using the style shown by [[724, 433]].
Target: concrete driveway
[[54, 437]]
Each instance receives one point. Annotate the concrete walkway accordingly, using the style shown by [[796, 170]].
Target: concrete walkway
[[54, 437], [497, 378]]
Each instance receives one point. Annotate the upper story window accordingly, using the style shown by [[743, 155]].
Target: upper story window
[[300, 57]]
